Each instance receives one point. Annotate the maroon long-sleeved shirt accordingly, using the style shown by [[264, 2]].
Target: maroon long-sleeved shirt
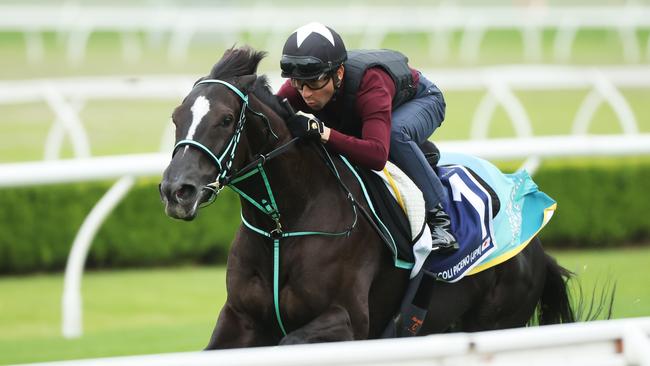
[[374, 104]]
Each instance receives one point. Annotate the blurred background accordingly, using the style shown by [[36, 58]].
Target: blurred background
[[95, 79]]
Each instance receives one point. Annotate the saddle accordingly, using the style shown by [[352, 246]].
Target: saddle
[[399, 210], [494, 216]]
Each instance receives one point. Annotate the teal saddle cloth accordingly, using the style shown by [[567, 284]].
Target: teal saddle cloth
[[487, 237], [494, 216]]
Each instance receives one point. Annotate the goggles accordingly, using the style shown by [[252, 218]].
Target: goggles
[[313, 84], [303, 67]]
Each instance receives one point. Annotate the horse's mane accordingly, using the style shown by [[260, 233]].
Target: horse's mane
[[237, 62], [244, 61]]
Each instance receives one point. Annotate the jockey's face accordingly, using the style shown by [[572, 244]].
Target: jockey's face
[[318, 97]]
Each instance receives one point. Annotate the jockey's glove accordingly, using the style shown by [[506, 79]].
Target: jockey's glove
[[305, 126]]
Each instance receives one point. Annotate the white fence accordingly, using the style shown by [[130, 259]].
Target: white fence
[[604, 343], [181, 22], [66, 97]]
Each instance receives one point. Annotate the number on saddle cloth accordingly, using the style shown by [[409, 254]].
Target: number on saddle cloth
[[432, 154]]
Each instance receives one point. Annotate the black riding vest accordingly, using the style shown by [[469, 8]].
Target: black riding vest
[[393, 62]]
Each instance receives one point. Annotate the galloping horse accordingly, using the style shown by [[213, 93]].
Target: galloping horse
[[304, 265]]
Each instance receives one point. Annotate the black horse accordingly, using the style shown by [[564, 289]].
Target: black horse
[[333, 279]]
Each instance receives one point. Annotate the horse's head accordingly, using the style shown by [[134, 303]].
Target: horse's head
[[209, 126]]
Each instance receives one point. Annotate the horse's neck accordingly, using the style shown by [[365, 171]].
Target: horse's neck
[[298, 178], [305, 192]]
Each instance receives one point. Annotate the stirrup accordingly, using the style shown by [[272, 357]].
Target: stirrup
[[445, 248], [443, 241]]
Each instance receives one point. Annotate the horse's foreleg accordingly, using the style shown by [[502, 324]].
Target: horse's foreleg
[[332, 325], [235, 329]]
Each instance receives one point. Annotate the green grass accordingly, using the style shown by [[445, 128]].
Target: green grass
[[550, 113], [113, 127], [125, 312], [174, 310], [626, 267]]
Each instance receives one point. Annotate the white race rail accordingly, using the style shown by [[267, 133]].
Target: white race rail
[[603, 343], [147, 165], [182, 21], [65, 98]]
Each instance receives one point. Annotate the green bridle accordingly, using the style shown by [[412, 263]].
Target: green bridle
[[229, 151], [266, 205]]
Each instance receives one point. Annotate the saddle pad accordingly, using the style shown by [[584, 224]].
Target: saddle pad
[[407, 194], [411, 200], [486, 242], [388, 216], [408, 234]]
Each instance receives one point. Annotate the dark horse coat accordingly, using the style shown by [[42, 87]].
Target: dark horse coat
[[330, 288]]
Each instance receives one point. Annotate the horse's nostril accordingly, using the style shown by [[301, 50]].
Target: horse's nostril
[[185, 192]]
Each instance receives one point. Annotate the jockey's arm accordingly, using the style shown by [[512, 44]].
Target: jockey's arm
[[374, 104]]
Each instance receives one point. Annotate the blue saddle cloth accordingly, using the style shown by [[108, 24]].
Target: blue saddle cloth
[[486, 241]]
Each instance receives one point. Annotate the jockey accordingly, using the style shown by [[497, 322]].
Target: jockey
[[370, 106]]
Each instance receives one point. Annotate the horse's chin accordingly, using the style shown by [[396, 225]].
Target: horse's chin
[[180, 212], [185, 211]]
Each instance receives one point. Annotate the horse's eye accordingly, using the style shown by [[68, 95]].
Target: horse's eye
[[228, 120]]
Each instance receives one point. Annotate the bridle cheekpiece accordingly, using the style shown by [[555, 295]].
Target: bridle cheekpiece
[[225, 158]]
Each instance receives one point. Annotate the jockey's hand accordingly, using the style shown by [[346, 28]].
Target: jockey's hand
[[305, 126]]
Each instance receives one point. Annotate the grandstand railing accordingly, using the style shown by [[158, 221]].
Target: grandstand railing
[[623, 342], [66, 97], [181, 22]]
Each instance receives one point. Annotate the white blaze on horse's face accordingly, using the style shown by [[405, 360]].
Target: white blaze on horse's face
[[199, 109]]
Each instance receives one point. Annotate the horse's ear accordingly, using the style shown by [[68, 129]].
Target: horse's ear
[[246, 82]]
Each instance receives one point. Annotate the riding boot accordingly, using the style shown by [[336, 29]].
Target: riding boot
[[443, 240], [414, 308]]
